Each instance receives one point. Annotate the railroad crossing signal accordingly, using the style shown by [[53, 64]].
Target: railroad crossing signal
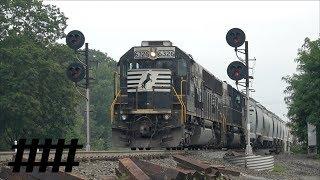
[[237, 70], [235, 37], [75, 39], [75, 72]]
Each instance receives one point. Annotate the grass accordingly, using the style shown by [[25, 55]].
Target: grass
[[278, 168], [123, 177], [299, 149]]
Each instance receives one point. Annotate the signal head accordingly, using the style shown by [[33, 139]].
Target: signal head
[[75, 72], [237, 70], [75, 39], [235, 37]]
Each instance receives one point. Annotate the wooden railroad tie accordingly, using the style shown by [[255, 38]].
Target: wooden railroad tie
[[188, 168]]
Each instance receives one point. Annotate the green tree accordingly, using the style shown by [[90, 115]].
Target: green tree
[[45, 23], [303, 92], [36, 98], [101, 96]]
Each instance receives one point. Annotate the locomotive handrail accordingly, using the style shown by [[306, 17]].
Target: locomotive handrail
[[183, 107], [116, 75], [182, 80], [112, 105]]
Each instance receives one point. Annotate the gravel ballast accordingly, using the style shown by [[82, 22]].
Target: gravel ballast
[[287, 166]]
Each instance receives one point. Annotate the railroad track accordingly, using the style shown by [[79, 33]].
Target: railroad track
[[109, 155], [81, 156]]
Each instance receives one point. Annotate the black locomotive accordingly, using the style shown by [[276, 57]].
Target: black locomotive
[[163, 98]]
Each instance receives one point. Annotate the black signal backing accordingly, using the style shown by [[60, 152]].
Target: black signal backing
[[75, 39], [237, 70], [235, 37], [75, 72]]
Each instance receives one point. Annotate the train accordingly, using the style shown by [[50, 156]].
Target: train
[[164, 99]]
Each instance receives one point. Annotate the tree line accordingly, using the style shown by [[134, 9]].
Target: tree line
[[36, 98], [303, 92]]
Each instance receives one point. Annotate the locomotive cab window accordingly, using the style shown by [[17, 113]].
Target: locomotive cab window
[[182, 67], [124, 69], [134, 65], [164, 64], [146, 64]]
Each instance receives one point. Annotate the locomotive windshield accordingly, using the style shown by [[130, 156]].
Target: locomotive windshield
[[140, 64], [178, 67]]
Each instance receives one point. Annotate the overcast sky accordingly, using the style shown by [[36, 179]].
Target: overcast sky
[[275, 31]]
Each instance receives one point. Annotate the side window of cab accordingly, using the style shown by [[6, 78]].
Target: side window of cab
[[182, 67], [123, 69]]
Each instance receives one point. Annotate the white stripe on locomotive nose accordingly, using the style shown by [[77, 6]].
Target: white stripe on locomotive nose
[[133, 81], [144, 71], [134, 77], [163, 81], [155, 90], [140, 74], [157, 81], [156, 85], [161, 85], [162, 90], [164, 77]]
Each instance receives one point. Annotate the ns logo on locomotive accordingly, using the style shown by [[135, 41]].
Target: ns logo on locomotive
[[165, 99]]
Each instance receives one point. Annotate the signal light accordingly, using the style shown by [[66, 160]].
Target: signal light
[[235, 37], [75, 72], [75, 39], [237, 70]]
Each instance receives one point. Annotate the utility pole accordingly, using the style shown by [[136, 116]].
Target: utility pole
[[248, 146], [87, 96]]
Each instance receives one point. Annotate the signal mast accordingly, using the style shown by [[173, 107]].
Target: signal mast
[[76, 71], [237, 71]]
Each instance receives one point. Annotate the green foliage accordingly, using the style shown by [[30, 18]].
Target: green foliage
[[303, 98], [32, 18], [101, 97], [299, 148], [278, 168], [36, 99]]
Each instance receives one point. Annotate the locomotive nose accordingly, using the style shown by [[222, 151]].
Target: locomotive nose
[[145, 130]]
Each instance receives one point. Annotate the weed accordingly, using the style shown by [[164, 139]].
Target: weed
[[278, 168]]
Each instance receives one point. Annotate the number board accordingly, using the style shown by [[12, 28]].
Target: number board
[[161, 52]]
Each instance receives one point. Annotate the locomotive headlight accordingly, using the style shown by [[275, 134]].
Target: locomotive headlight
[[153, 54], [124, 117], [166, 116]]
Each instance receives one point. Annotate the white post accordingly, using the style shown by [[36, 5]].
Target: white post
[[87, 114], [248, 147]]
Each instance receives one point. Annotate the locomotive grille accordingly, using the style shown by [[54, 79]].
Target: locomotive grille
[[146, 80]]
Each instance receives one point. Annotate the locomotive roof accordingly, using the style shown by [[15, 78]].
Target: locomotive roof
[[122, 58]]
